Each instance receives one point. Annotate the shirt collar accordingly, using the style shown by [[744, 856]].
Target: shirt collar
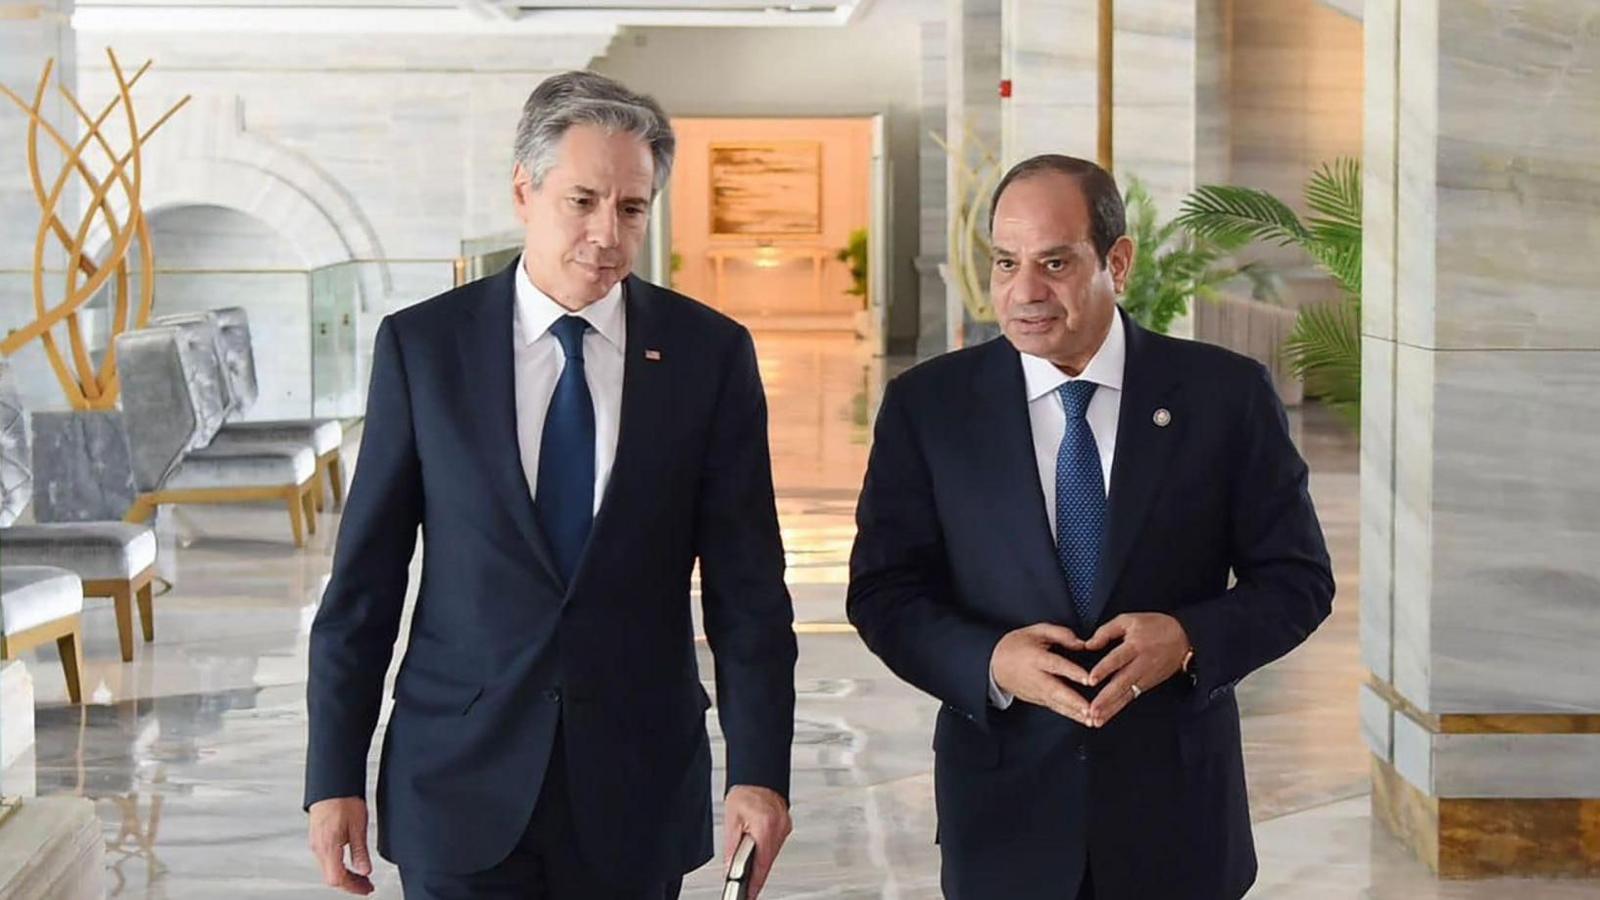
[[1104, 368], [536, 312]]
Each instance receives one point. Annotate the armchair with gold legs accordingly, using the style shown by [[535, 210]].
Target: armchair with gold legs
[[325, 437], [174, 402], [109, 559]]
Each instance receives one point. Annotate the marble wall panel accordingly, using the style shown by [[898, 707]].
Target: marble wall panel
[[1413, 752], [1414, 539], [1379, 136], [1515, 599], [1377, 723], [1050, 52], [1377, 505], [1519, 181], [1552, 766]]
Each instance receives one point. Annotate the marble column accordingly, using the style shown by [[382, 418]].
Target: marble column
[[1480, 588], [1169, 90], [932, 192], [1169, 78], [31, 32], [972, 117], [1050, 53]]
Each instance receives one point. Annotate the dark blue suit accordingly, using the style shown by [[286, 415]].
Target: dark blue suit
[[503, 656], [954, 550]]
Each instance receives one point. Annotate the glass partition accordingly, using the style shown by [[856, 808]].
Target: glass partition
[[312, 331]]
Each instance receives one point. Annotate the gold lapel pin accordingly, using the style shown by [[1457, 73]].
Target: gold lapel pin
[[653, 355], [1162, 418]]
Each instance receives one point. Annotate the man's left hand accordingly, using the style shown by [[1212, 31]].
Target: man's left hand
[[763, 814], [1152, 650]]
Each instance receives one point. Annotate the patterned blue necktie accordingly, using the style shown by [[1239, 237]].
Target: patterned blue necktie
[[564, 497], [1080, 499]]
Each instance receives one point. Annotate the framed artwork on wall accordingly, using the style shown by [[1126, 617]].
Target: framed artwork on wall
[[766, 189]]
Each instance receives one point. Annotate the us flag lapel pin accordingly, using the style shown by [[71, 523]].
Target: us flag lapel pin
[[653, 355]]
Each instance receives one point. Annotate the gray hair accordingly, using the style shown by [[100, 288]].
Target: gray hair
[[585, 98]]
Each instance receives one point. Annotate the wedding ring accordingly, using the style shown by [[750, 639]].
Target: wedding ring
[[1136, 691]]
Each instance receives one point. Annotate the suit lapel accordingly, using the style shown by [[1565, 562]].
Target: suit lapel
[[645, 413], [1143, 448], [1001, 426], [487, 358]]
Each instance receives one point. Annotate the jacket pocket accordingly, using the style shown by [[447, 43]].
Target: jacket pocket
[[1211, 732], [963, 743], [434, 696]]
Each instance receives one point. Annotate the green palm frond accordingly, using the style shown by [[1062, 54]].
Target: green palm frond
[[1339, 253], [1235, 216], [1325, 349], [1334, 193], [1171, 266], [1325, 346]]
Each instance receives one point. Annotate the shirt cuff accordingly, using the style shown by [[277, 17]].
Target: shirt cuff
[[998, 698]]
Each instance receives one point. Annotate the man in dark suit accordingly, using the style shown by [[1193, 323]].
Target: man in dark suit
[[1046, 534], [571, 440]]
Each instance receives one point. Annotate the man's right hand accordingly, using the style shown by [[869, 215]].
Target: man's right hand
[[1024, 666], [336, 823]]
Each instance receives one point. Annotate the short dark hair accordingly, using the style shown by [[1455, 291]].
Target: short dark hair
[[1108, 221]]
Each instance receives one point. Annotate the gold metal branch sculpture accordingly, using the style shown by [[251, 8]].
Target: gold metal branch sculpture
[[969, 250], [85, 385]]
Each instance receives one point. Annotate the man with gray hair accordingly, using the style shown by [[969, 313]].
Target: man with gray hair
[[571, 440]]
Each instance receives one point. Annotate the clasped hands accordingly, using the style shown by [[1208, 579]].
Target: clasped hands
[[1151, 650]]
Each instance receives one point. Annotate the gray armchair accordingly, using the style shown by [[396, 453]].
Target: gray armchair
[[236, 353], [174, 398], [37, 603], [107, 559]]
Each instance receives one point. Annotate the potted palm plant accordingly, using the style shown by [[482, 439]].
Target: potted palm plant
[[1325, 346], [1172, 265]]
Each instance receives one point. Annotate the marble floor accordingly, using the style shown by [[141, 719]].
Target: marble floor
[[193, 753]]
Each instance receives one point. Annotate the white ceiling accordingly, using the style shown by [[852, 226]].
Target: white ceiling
[[453, 16]]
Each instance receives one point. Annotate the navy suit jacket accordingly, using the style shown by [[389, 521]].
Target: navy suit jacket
[[501, 651], [954, 550]]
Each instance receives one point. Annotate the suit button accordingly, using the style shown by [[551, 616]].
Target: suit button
[[1083, 752], [553, 695]]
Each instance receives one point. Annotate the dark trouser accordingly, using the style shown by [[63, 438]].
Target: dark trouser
[[1086, 887], [545, 865]]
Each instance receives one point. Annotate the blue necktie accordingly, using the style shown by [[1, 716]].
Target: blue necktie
[[564, 497], [1080, 499]]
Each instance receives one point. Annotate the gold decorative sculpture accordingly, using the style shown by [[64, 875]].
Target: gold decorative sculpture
[[970, 252], [85, 385]]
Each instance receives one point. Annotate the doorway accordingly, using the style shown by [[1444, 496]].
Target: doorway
[[772, 221]]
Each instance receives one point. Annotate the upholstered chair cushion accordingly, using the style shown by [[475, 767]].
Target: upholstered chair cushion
[[202, 330], [30, 596], [322, 435], [238, 356], [16, 478], [245, 465], [95, 551], [170, 397], [82, 466]]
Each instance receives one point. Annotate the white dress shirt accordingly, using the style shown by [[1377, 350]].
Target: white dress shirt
[[539, 362], [1048, 419]]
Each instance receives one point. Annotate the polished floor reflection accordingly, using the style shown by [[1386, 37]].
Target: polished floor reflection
[[194, 751]]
